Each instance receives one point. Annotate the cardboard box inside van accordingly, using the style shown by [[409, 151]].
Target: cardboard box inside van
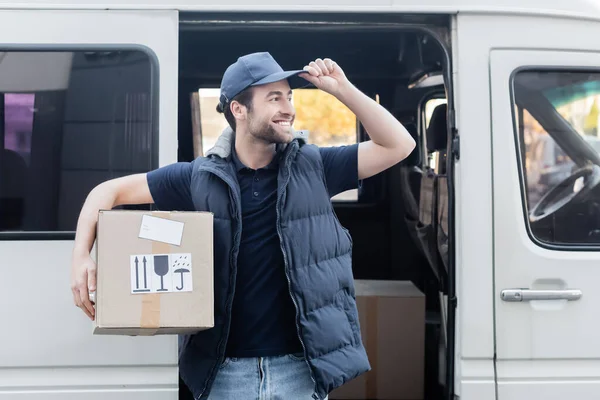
[[392, 325]]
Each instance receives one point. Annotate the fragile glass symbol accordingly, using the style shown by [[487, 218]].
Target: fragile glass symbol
[[161, 267]]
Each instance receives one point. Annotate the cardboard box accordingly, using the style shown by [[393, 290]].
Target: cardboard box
[[155, 272], [392, 321]]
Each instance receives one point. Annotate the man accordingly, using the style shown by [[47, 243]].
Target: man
[[286, 324]]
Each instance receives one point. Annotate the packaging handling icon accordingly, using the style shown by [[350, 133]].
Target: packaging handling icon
[[157, 273]]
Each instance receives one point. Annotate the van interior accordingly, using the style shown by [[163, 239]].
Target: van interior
[[399, 219]]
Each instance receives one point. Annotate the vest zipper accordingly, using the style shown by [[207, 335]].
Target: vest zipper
[[237, 215], [285, 261]]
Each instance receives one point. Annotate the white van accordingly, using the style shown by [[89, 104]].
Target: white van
[[90, 91]]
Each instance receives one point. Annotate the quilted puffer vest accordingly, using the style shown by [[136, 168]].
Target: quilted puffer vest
[[317, 253]]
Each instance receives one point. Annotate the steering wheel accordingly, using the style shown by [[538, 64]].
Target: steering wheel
[[565, 192]]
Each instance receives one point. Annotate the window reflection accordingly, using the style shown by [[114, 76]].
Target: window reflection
[[69, 121], [557, 119]]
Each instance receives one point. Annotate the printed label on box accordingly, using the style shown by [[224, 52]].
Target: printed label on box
[[158, 273], [161, 230]]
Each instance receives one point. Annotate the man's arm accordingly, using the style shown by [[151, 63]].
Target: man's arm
[[390, 142], [132, 189]]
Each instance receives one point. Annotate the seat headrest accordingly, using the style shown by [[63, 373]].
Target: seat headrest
[[437, 132]]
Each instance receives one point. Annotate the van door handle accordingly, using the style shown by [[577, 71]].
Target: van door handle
[[516, 295]]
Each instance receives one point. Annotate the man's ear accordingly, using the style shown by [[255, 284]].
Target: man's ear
[[238, 110]]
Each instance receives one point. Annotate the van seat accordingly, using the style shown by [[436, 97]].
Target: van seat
[[427, 229], [442, 221], [438, 134], [437, 131], [410, 182]]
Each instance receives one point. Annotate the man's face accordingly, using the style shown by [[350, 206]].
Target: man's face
[[272, 114]]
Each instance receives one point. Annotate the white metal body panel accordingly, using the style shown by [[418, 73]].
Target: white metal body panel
[[48, 350], [575, 8], [474, 368], [475, 379], [551, 345], [543, 350], [528, 336]]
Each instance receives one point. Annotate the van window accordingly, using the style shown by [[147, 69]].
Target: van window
[[69, 121], [328, 120], [556, 118]]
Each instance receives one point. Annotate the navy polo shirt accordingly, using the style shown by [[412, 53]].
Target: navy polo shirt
[[263, 314]]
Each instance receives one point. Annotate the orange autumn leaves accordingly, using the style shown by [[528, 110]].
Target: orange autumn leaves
[[329, 121]]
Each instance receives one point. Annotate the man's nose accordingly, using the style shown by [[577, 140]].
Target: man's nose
[[288, 108]]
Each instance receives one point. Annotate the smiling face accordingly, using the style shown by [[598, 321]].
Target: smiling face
[[271, 117]]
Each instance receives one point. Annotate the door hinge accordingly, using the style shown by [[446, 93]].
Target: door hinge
[[453, 301], [456, 147]]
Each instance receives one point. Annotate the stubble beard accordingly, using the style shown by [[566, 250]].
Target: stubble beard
[[264, 132]]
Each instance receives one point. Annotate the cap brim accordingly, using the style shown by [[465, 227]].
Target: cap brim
[[294, 80]]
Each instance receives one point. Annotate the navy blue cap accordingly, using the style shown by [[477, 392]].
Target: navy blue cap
[[252, 70]]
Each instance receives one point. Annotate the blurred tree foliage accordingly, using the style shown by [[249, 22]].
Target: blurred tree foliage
[[329, 121]]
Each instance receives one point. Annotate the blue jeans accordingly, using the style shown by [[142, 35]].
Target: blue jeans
[[264, 378]]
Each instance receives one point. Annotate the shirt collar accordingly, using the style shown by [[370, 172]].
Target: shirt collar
[[239, 165]]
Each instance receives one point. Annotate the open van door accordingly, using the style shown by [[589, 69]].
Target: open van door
[[546, 220], [83, 97]]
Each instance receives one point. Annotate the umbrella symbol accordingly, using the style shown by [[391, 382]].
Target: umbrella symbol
[[181, 271], [181, 262]]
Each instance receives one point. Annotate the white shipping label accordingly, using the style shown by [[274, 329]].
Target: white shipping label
[[161, 230], [158, 273]]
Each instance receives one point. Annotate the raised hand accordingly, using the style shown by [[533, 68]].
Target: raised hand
[[326, 75]]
